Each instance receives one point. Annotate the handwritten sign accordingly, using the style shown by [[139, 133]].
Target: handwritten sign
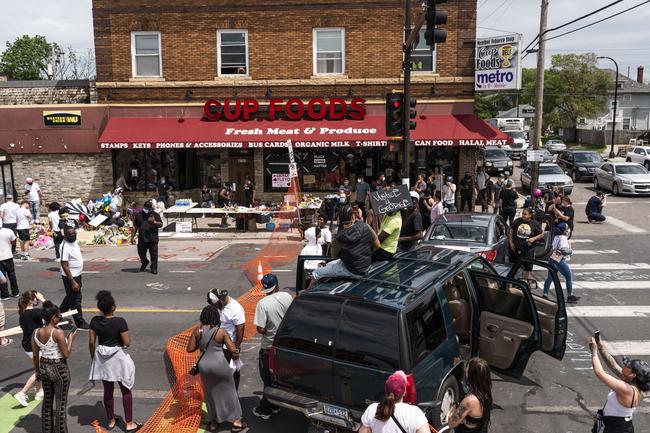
[[385, 201]]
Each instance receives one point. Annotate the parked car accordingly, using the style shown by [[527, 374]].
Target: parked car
[[496, 161], [519, 143], [580, 164], [645, 136], [424, 312], [640, 155], [555, 146], [478, 233], [550, 175], [623, 178], [546, 155]]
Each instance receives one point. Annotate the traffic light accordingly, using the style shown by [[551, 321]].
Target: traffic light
[[395, 114], [412, 113], [435, 17]]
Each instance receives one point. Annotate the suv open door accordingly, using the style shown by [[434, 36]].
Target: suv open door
[[551, 311], [509, 330], [303, 274]]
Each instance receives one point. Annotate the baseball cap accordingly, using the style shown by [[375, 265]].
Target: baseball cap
[[9, 196], [215, 295], [640, 368], [396, 384], [415, 195], [269, 283]]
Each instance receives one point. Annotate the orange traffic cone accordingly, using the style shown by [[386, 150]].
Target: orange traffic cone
[[260, 273]]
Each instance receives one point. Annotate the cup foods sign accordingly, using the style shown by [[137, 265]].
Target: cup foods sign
[[498, 63]]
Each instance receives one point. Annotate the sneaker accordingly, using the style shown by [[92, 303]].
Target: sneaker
[[15, 294], [58, 260], [29, 257], [39, 395], [23, 257], [573, 299], [144, 266], [22, 399], [154, 271], [261, 413], [275, 410], [5, 298]]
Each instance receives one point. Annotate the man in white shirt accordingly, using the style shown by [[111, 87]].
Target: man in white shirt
[[72, 265], [34, 196], [449, 195], [8, 212], [233, 320], [7, 238], [482, 179], [23, 221]]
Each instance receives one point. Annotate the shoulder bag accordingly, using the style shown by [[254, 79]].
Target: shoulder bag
[[195, 368], [402, 429]]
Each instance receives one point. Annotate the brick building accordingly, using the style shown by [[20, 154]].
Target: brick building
[[158, 62]]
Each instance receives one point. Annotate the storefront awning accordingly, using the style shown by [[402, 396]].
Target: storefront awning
[[195, 133]]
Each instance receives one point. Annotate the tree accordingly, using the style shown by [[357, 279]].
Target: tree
[[27, 58], [574, 87], [73, 66]]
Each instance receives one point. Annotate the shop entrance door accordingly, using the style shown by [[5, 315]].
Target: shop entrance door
[[241, 164]]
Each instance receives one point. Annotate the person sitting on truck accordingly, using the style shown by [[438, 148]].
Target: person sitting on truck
[[351, 248]]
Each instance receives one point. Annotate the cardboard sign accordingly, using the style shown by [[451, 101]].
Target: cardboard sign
[[183, 227], [385, 201]]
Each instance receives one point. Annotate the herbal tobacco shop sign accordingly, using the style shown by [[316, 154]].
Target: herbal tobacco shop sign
[[385, 201], [62, 118], [498, 63]]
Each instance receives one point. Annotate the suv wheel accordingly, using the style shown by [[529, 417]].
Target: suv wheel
[[628, 159], [575, 177], [448, 395]]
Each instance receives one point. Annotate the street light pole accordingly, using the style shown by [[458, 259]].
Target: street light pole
[[611, 151], [406, 161], [539, 94]]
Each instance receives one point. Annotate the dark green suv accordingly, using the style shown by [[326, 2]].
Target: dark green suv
[[424, 312]]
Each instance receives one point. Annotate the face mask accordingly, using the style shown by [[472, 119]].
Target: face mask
[[146, 210], [71, 238]]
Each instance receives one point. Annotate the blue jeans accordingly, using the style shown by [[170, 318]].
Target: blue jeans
[[35, 207], [450, 206], [564, 269]]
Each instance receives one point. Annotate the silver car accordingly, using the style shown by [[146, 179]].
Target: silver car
[[550, 175], [623, 178], [555, 146]]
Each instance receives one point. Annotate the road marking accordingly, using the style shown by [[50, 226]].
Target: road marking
[[629, 348], [624, 226], [182, 272], [11, 412], [608, 202], [135, 310], [609, 311], [581, 241], [137, 393], [609, 285], [609, 266], [575, 409], [593, 252], [282, 270], [91, 272]]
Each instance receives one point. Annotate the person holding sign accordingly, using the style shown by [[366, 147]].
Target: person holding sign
[[412, 229], [389, 230]]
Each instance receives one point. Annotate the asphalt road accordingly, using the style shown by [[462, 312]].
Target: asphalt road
[[611, 272]]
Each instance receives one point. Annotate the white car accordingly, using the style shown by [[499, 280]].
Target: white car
[[550, 175], [622, 178], [640, 155], [555, 146]]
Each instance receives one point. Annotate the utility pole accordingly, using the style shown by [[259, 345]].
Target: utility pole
[[406, 161], [539, 93], [612, 154]]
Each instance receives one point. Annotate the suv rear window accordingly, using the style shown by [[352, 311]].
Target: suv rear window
[[368, 336], [310, 325]]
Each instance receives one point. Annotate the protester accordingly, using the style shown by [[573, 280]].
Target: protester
[[351, 249], [412, 230], [146, 225], [312, 248], [566, 213], [223, 199], [219, 392], [8, 214], [269, 313], [7, 267], [233, 321], [467, 186], [449, 195], [23, 222], [559, 261], [72, 264], [249, 192], [482, 186], [164, 188], [523, 235], [29, 318], [325, 239], [389, 230], [361, 190], [425, 205], [437, 210], [34, 196], [207, 198], [420, 185], [497, 188], [627, 387], [509, 202], [380, 183], [472, 415], [121, 183], [4, 341], [107, 340], [51, 348], [594, 209], [392, 415], [53, 218], [347, 188]]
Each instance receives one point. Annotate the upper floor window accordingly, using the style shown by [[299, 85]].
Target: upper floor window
[[329, 51], [232, 52], [422, 58], [146, 59], [627, 97]]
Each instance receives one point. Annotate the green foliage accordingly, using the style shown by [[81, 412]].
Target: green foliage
[[27, 58], [488, 104]]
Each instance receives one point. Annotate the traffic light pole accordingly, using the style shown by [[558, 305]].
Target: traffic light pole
[[406, 161], [539, 94]]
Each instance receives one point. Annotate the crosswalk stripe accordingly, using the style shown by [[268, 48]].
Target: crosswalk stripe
[[609, 311], [625, 226], [611, 285], [575, 410], [630, 348], [609, 266], [593, 252], [581, 241]]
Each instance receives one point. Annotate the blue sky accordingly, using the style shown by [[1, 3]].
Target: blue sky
[[69, 23]]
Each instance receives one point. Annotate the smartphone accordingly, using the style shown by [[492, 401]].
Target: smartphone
[[597, 336]]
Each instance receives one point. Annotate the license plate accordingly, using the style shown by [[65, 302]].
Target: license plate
[[336, 412]]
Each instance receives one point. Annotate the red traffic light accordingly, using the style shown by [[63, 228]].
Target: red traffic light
[[396, 104]]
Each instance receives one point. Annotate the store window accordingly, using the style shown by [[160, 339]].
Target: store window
[[146, 59], [232, 55], [142, 169], [422, 58], [329, 51], [209, 169]]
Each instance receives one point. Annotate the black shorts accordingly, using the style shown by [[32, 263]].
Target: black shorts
[[515, 256], [23, 234]]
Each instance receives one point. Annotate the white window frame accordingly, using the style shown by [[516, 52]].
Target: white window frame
[[315, 51], [219, 33], [434, 63], [627, 97], [134, 68], [629, 125]]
